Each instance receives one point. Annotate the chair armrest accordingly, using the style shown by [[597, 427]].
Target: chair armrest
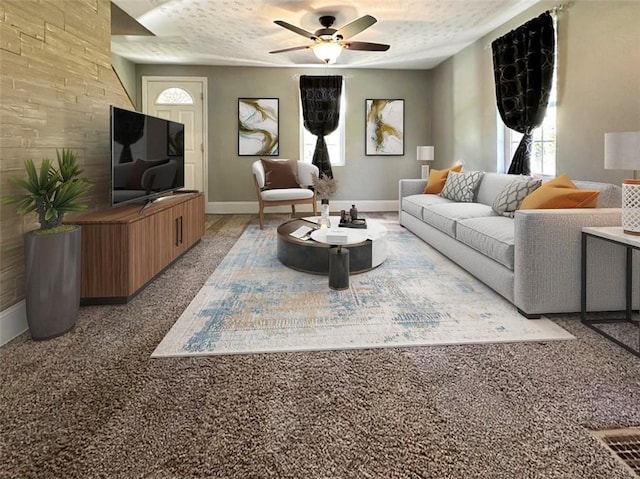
[[258, 174], [306, 173]]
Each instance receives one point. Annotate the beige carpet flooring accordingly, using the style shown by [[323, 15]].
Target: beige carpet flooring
[[93, 404]]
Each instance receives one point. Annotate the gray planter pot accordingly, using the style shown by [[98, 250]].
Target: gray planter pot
[[52, 282]]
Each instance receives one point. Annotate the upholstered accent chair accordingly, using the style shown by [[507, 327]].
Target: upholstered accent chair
[[274, 192]]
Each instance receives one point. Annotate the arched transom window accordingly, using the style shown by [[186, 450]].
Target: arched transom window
[[174, 96]]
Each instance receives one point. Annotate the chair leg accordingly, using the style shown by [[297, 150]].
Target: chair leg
[[315, 208], [261, 217], [293, 210]]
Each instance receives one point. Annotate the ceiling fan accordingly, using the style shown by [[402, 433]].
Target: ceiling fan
[[329, 42]]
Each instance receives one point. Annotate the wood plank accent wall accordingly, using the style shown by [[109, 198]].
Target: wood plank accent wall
[[56, 85]]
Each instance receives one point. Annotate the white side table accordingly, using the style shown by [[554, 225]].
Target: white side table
[[615, 235]]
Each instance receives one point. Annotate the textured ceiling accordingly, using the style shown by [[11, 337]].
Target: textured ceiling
[[421, 33]]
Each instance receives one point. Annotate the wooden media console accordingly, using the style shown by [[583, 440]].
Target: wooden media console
[[126, 247]]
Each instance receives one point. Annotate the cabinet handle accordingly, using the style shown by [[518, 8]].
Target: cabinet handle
[[177, 231], [181, 230]]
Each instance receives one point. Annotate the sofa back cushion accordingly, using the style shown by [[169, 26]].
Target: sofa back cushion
[[492, 185], [610, 195]]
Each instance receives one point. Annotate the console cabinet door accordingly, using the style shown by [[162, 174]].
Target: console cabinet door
[[192, 221], [140, 253], [167, 237]]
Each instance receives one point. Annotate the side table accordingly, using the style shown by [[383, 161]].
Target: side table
[[615, 235]]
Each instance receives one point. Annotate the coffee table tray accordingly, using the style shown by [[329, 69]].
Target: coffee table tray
[[359, 223]]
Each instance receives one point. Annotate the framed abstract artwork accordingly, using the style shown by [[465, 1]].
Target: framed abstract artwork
[[258, 127], [384, 127]]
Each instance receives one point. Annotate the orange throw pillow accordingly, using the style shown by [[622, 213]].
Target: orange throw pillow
[[560, 192], [437, 179]]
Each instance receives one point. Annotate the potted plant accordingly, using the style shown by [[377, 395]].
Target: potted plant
[[52, 253]]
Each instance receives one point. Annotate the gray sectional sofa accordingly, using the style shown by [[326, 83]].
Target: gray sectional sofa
[[533, 258]]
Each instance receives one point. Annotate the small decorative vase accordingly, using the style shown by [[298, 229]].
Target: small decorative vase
[[324, 221]]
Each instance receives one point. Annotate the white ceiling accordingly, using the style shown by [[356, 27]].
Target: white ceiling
[[422, 33]]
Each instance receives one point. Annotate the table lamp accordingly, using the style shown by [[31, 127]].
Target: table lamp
[[622, 152], [425, 153]]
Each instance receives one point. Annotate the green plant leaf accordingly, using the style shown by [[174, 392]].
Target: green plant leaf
[[50, 191]]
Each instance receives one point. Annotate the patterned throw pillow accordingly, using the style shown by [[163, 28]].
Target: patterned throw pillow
[[511, 196], [461, 186]]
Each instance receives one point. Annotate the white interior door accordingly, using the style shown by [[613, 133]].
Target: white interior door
[[183, 100]]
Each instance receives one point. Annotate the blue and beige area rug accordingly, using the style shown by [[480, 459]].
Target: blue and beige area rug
[[417, 297]]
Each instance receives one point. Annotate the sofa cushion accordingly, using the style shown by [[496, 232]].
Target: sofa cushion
[[445, 216], [461, 186], [413, 204], [511, 196], [437, 179], [560, 192], [494, 237]]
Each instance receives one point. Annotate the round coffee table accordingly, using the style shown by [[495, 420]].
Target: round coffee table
[[367, 246]]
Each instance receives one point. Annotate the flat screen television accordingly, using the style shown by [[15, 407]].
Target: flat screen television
[[147, 156]]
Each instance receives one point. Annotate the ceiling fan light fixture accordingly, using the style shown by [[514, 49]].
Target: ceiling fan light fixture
[[328, 52]]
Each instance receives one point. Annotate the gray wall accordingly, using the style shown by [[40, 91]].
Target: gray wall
[[362, 177], [598, 90], [126, 72]]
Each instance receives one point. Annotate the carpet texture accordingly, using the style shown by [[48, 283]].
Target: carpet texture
[[94, 404], [417, 297]]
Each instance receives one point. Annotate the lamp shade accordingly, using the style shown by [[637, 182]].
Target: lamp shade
[[328, 52], [424, 153], [622, 150]]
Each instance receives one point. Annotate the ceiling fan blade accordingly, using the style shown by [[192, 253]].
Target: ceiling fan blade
[[356, 26], [295, 29], [291, 49], [366, 46]]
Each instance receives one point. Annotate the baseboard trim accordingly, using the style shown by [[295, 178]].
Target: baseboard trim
[[251, 207], [13, 322]]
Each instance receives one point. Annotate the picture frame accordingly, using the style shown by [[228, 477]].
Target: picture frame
[[258, 127], [384, 127]]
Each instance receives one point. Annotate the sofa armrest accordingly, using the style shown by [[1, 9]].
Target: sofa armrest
[[411, 187], [408, 187], [547, 262]]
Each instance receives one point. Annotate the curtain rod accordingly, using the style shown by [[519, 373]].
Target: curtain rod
[[296, 76], [561, 7]]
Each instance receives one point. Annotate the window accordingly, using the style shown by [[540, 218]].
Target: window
[[174, 96], [543, 147], [335, 141]]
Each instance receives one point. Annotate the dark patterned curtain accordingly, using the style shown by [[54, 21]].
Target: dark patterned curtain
[[523, 69], [320, 96]]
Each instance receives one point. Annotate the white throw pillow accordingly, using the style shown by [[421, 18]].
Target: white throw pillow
[[461, 186]]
